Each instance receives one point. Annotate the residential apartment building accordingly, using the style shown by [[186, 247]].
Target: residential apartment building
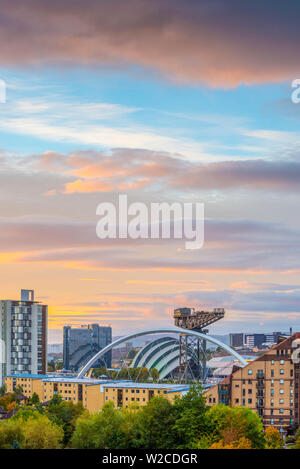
[[23, 332], [81, 344], [93, 393], [268, 385]]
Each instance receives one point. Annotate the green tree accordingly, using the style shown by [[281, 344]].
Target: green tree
[[2, 390], [51, 366], [64, 414], [106, 430], [100, 371], [41, 433], [230, 424], [155, 425], [32, 430], [154, 374], [35, 399], [190, 413], [10, 433]]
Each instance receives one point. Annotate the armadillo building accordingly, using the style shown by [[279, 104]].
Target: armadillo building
[[162, 354]]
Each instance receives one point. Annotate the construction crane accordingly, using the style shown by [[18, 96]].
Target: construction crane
[[188, 318]]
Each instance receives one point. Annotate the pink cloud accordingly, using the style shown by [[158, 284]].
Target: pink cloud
[[221, 43]]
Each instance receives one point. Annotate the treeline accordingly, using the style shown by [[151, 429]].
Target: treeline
[[139, 375], [186, 423]]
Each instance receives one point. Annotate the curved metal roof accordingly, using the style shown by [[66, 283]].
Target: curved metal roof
[[172, 330]]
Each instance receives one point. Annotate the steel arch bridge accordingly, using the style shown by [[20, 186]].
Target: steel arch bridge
[[163, 330]]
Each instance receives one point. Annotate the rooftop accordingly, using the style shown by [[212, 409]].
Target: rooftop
[[66, 379], [131, 384], [24, 375]]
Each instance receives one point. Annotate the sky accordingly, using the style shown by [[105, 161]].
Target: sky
[[165, 101]]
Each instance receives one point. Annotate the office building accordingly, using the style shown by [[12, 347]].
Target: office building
[[269, 385], [81, 344], [236, 340], [255, 340], [23, 332]]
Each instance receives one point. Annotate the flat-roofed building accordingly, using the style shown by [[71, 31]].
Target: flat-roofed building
[[122, 394], [93, 393], [30, 384]]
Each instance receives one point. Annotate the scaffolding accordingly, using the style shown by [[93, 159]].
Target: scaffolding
[[188, 318]]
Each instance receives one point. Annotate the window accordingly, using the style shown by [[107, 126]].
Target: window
[[281, 391], [249, 391], [280, 401], [281, 371], [281, 411], [272, 421], [272, 373], [249, 401], [281, 381], [272, 362], [249, 372], [272, 392], [281, 362]]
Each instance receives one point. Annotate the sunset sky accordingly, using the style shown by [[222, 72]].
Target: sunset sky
[[177, 101]]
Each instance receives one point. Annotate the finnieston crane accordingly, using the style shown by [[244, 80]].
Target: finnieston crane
[[188, 318]]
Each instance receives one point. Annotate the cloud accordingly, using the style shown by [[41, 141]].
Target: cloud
[[222, 43], [132, 169], [230, 246]]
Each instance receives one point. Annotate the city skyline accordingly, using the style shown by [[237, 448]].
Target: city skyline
[[174, 102]]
